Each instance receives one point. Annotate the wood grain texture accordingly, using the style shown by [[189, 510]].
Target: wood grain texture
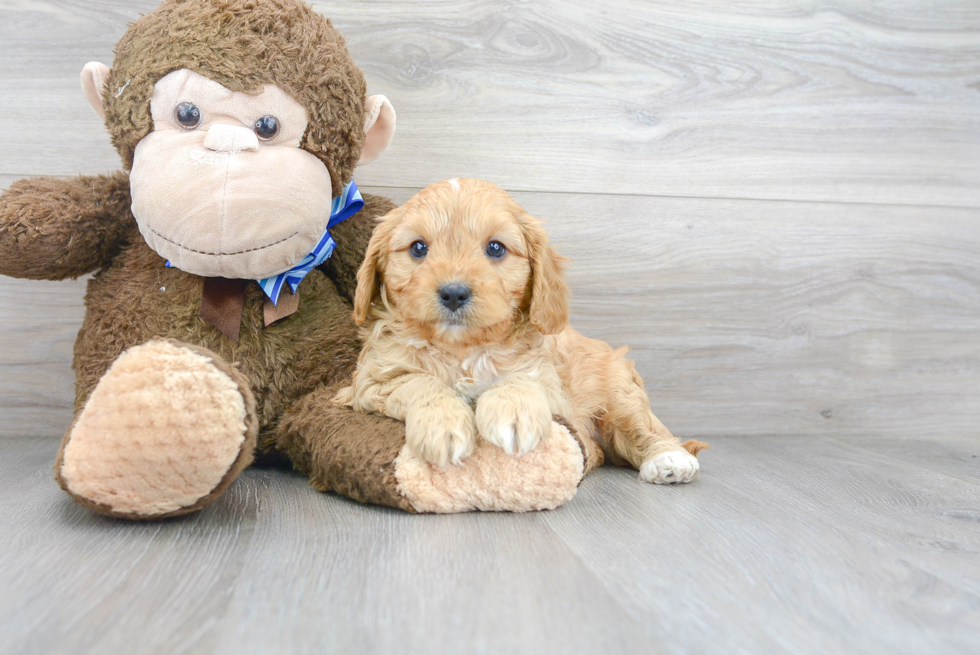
[[645, 133], [800, 100], [795, 546], [744, 317]]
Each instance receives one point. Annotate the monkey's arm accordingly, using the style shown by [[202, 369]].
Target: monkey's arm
[[52, 229], [352, 238]]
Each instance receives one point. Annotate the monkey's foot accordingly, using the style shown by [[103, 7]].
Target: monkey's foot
[[166, 430]]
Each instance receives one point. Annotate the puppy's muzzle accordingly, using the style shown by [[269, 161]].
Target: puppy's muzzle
[[454, 296]]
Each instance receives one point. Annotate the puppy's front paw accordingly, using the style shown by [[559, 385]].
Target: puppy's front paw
[[514, 418], [441, 432], [671, 467]]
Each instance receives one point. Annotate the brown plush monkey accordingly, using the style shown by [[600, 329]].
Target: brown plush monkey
[[240, 123]]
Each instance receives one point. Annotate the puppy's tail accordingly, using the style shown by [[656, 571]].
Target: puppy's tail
[[694, 446]]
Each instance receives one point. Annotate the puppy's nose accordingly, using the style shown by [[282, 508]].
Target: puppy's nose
[[454, 296], [230, 138]]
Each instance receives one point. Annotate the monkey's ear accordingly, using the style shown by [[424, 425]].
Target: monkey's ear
[[94, 77], [379, 128]]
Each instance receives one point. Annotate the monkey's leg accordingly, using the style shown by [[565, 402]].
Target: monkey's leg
[[364, 457], [165, 431]]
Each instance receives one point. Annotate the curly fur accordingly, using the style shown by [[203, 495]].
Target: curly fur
[[503, 364]]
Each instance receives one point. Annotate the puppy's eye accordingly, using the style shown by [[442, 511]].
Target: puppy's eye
[[495, 249], [188, 115], [266, 127], [418, 249]]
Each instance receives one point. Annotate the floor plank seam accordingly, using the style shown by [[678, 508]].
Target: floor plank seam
[[599, 194]]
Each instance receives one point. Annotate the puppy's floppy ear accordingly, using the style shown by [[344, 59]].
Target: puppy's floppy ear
[[548, 309], [373, 265]]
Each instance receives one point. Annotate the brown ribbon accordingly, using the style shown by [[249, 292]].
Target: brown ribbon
[[223, 299], [288, 304]]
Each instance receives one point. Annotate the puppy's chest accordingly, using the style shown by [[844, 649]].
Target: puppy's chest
[[474, 376], [471, 376]]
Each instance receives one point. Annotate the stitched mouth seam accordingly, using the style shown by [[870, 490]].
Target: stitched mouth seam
[[222, 254]]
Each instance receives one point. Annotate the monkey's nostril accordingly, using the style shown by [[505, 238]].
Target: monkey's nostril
[[453, 296]]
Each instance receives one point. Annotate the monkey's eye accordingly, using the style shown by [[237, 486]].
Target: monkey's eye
[[188, 115], [266, 127], [495, 249], [418, 249]]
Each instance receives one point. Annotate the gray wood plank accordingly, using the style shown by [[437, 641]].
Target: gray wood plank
[[382, 581], [744, 317], [954, 456], [77, 582], [782, 318], [37, 332], [851, 324], [841, 551], [832, 101], [324, 575], [798, 545]]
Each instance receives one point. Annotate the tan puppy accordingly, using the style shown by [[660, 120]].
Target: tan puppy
[[467, 337]]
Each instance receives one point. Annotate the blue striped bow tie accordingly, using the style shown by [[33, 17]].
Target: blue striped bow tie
[[348, 203]]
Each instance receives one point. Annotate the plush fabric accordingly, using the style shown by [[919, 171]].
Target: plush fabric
[[317, 436], [54, 229], [381, 114], [168, 409], [243, 44], [210, 199], [167, 425], [137, 298], [492, 480]]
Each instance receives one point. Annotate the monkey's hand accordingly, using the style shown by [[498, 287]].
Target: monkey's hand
[[52, 229]]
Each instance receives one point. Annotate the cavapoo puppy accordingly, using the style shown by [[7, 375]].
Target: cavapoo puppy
[[467, 338]]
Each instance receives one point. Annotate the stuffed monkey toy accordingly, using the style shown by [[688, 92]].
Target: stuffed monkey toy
[[218, 321]]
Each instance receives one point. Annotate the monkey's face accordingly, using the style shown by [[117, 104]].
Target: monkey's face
[[221, 187], [239, 120]]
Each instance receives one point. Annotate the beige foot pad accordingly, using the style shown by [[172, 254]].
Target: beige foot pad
[[491, 480], [165, 431]]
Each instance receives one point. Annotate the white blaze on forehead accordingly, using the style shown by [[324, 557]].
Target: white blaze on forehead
[[221, 106], [454, 183]]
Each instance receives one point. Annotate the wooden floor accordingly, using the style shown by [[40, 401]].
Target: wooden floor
[[792, 545], [775, 204]]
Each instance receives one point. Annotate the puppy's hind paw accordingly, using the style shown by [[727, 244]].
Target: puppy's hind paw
[[671, 467]]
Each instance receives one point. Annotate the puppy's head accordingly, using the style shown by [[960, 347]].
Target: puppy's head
[[462, 263]]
